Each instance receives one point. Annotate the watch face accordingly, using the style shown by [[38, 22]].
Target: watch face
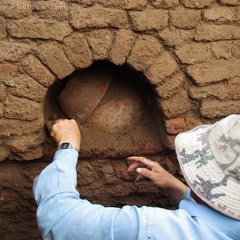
[[64, 145]]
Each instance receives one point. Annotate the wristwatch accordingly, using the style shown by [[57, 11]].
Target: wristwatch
[[66, 145]]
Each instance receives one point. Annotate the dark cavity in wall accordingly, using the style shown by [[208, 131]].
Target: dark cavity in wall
[[114, 107]]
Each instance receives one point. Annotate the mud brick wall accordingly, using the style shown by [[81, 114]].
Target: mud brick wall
[[188, 50]]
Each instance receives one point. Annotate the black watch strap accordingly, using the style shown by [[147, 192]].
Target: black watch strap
[[66, 145]]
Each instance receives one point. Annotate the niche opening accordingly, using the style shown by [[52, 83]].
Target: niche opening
[[114, 107]]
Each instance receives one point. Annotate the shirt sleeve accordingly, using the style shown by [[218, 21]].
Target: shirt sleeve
[[187, 197], [62, 214], [54, 184]]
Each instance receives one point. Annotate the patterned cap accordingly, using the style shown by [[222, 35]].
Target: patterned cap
[[209, 156]]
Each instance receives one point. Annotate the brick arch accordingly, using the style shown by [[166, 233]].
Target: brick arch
[[143, 53], [138, 135], [54, 61]]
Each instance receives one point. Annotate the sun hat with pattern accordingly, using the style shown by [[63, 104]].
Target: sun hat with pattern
[[209, 156]]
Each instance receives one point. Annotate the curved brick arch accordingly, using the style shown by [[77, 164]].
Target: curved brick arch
[[144, 53], [136, 135], [53, 61]]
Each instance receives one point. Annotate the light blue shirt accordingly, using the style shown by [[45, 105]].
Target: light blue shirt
[[62, 214]]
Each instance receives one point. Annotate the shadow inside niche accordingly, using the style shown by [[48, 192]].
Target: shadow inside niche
[[114, 107]]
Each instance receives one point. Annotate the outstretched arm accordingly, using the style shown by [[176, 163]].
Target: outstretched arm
[[165, 181], [58, 180], [62, 214]]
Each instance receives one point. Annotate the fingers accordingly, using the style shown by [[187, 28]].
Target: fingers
[[134, 166], [139, 177], [145, 168], [60, 123], [142, 161], [52, 123], [49, 125], [144, 172], [65, 130], [53, 126]]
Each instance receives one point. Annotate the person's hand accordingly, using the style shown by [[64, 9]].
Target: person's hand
[[165, 181], [65, 130]]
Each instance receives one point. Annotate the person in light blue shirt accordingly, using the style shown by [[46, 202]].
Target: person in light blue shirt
[[208, 208]]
